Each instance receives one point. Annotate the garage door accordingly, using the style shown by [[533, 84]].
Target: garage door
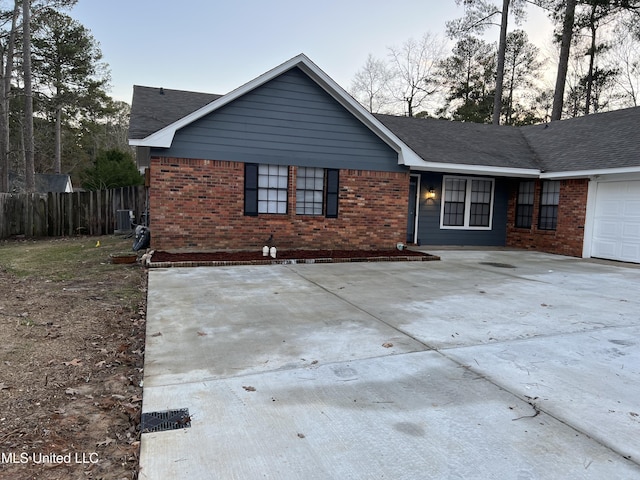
[[616, 228]]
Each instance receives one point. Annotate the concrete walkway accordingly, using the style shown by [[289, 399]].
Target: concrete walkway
[[485, 365]]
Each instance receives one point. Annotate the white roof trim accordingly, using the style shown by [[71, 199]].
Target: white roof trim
[[589, 173], [164, 137], [475, 169]]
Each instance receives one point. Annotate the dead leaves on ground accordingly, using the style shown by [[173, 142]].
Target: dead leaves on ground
[[76, 362], [106, 442]]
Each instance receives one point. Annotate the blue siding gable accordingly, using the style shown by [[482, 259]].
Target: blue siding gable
[[289, 120]]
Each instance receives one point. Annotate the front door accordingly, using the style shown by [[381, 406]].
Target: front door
[[414, 184]]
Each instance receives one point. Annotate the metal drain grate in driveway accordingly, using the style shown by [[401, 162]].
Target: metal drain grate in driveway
[[167, 420]]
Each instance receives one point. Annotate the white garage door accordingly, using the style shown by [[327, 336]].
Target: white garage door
[[616, 227]]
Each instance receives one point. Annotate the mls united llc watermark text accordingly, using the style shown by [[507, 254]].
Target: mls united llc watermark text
[[48, 458]]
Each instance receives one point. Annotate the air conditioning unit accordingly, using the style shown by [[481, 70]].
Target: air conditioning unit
[[124, 219]]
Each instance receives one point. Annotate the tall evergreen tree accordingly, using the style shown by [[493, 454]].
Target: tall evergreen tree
[[112, 168], [68, 69], [521, 70], [469, 74], [575, 15], [594, 16], [479, 15]]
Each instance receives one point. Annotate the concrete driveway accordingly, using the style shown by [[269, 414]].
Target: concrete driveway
[[485, 365]]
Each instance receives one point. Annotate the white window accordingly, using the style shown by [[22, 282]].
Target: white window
[[467, 203], [272, 188]]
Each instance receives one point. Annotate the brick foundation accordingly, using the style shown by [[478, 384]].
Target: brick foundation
[[199, 205], [568, 238]]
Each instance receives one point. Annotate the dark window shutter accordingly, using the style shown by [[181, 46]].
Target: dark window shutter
[[251, 189], [332, 193]]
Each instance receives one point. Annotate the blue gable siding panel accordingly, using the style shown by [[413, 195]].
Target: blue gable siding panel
[[430, 233], [289, 120]]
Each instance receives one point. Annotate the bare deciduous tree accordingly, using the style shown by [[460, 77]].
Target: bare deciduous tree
[[625, 52], [413, 66], [370, 86]]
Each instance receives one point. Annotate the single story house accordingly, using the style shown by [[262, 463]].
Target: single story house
[[292, 155]]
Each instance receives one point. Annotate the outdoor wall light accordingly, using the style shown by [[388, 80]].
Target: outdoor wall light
[[431, 193]]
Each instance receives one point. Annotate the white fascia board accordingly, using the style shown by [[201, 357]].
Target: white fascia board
[[161, 138], [589, 173], [408, 157], [475, 169]]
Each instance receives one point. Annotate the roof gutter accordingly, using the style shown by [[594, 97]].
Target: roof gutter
[[588, 173], [474, 169]]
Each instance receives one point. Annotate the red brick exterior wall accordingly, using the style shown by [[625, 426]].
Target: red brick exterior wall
[[568, 237], [199, 205]]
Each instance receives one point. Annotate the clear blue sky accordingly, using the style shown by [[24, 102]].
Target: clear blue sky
[[217, 45]]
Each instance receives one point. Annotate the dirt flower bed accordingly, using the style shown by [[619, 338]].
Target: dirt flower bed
[[302, 255], [72, 328]]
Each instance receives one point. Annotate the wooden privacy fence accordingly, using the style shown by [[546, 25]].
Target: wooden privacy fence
[[59, 214]]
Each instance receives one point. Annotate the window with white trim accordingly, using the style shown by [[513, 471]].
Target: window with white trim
[[467, 203]]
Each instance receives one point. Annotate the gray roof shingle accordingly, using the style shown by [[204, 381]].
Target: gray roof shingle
[[443, 141], [593, 142], [152, 109]]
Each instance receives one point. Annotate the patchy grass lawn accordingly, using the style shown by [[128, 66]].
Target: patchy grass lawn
[[71, 357], [61, 258]]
